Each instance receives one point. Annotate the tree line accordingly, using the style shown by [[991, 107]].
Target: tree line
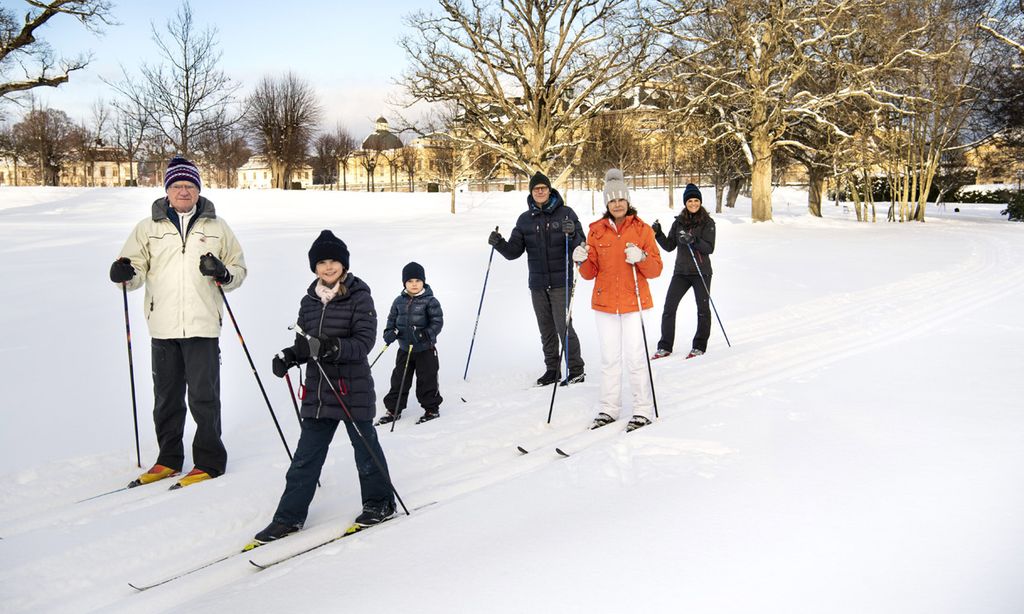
[[854, 91]]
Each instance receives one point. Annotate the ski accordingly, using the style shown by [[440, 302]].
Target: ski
[[182, 574], [115, 491], [350, 531]]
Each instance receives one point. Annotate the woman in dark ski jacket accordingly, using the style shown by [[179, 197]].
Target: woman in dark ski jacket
[[340, 325], [692, 229]]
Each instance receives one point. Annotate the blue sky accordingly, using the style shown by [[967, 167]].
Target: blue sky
[[348, 50]]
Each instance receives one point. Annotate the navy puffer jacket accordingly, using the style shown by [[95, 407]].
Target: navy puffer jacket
[[351, 319], [413, 313], [538, 232]]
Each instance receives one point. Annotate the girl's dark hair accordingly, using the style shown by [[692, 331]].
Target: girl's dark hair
[[608, 214], [689, 220]]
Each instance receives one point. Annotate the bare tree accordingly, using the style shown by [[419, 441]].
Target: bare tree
[[282, 115], [745, 60], [131, 125], [47, 139], [187, 95], [408, 158], [20, 50], [345, 146], [224, 151], [324, 159], [527, 76]]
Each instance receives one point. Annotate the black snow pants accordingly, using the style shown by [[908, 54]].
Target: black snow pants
[[188, 367]]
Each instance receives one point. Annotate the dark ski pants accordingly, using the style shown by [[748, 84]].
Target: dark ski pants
[[188, 366], [424, 365], [549, 307], [677, 289], [309, 458]]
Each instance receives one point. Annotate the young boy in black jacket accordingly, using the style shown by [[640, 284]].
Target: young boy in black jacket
[[415, 321]]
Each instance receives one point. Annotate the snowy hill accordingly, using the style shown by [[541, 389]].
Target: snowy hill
[[857, 449]]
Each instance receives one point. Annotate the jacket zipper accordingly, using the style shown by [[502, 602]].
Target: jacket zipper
[[323, 372]]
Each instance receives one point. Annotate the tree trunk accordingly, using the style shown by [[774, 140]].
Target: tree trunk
[[453, 198], [719, 189], [734, 191], [816, 183], [761, 179]]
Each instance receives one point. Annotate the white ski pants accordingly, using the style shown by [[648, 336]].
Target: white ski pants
[[622, 341]]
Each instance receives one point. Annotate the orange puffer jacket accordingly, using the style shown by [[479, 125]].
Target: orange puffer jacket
[[614, 290]]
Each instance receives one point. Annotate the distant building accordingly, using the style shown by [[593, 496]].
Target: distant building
[[256, 175]]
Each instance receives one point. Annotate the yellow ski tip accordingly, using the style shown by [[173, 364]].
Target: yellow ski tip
[[252, 545]]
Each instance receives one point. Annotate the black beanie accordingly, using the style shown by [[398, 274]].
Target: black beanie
[[539, 178], [692, 191], [413, 270], [328, 247]]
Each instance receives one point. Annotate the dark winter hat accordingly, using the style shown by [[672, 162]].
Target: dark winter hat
[[539, 178], [180, 169], [413, 270], [692, 191], [615, 186], [328, 247]]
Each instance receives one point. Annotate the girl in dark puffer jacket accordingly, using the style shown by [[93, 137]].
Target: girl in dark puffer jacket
[[338, 316]]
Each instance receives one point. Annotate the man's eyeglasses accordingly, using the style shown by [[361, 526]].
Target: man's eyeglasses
[[184, 187]]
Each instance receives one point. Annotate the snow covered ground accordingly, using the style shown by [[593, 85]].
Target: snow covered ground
[[855, 450]]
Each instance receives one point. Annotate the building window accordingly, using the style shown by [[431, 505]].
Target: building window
[[103, 171]]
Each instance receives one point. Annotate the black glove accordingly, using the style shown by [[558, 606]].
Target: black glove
[[685, 238], [568, 227], [283, 361], [210, 266], [656, 227], [320, 347], [494, 238], [420, 335], [121, 271], [390, 335]]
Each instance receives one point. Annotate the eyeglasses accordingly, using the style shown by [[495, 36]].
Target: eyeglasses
[[542, 188], [184, 187]]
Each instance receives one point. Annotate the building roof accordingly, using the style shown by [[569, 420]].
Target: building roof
[[382, 140]]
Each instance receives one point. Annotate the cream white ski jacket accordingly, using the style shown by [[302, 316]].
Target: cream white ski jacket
[[180, 301]]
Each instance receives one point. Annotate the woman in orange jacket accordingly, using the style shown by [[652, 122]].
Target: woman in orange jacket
[[620, 254]]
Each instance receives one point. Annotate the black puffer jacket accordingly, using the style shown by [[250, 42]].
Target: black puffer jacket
[[538, 231], [414, 313], [351, 319], [702, 227]]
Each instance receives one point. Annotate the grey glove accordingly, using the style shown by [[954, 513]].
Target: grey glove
[[685, 238], [568, 227], [634, 254], [581, 253]]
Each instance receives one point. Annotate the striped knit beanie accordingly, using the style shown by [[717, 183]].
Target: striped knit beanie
[[180, 169]]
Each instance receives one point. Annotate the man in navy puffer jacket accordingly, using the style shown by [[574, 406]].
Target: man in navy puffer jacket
[[541, 231]]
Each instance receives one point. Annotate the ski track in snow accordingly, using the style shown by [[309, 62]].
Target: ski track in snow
[[472, 448]]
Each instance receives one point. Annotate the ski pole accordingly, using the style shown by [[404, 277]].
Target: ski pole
[[643, 329], [295, 403], [565, 342], [131, 373], [252, 366], [568, 321], [708, 290], [348, 414], [379, 354], [478, 310], [401, 384]]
